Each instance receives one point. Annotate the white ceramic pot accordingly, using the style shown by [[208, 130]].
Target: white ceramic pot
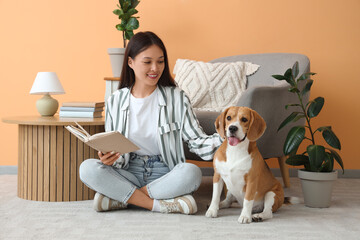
[[317, 187], [117, 60]]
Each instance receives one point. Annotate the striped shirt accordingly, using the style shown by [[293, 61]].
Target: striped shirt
[[176, 123]]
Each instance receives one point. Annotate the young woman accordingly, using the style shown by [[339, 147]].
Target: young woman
[[157, 116]]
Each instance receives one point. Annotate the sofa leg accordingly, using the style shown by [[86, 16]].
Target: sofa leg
[[284, 171]]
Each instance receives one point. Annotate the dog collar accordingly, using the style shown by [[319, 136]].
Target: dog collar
[[244, 137]]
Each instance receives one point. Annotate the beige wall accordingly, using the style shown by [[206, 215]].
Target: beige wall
[[71, 38]]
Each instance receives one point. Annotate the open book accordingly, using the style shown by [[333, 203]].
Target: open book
[[105, 141]]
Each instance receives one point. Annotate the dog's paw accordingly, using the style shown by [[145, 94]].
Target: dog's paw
[[211, 213], [257, 218], [224, 204], [244, 219]]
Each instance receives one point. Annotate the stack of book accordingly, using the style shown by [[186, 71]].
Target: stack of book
[[81, 109]]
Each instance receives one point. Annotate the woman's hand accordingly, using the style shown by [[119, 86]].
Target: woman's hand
[[108, 158]]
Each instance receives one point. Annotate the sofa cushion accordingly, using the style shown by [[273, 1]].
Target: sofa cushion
[[213, 86]]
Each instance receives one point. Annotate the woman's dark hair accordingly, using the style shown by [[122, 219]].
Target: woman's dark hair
[[139, 43]]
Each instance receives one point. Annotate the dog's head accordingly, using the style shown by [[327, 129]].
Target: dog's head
[[239, 123]]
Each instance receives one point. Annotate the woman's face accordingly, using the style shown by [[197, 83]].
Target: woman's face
[[148, 66]]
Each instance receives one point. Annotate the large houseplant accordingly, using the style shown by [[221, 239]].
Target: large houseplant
[[128, 23], [318, 160]]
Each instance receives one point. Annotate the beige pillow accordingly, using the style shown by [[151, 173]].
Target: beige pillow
[[213, 86]]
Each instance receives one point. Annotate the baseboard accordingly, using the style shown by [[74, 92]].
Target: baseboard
[[207, 171], [351, 173], [8, 170]]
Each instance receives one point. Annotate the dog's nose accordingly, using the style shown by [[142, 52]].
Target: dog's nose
[[233, 129]]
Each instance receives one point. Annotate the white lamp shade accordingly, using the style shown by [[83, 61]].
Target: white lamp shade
[[47, 83]]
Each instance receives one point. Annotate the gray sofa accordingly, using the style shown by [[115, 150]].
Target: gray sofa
[[268, 97]]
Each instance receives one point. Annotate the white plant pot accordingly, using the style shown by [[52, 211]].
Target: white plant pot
[[117, 60], [317, 187]]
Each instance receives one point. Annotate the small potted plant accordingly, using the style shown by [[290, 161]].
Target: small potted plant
[[125, 12], [318, 160]]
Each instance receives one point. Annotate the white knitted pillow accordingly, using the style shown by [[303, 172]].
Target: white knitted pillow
[[213, 86]]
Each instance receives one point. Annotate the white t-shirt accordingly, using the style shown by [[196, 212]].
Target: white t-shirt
[[143, 120]]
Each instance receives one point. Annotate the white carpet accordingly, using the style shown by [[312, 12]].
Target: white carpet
[[23, 219]]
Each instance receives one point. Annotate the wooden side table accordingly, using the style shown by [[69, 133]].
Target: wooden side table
[[50, 156]]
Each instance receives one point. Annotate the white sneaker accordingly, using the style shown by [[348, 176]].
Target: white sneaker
[[185, 204], [103, 203]]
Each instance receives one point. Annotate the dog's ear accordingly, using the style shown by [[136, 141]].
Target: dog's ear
[[257, 126], [220, 123]]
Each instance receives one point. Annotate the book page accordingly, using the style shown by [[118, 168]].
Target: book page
[[99, 135], [77, 132], [83, 131]]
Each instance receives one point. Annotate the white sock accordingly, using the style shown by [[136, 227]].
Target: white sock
[[156, 206]]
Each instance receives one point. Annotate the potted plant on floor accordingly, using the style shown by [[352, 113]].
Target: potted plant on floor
[[128, 23], [318, 175]]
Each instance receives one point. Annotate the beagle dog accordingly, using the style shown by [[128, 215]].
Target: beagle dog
[[240, 165]]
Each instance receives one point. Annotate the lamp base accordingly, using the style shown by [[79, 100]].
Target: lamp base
[[47, 106]]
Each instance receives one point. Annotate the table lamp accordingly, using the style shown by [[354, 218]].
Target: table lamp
[[47, 83]]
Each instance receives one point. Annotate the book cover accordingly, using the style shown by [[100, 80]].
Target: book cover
[[83, 104], [82, 109], [104, 141], [76, 114]]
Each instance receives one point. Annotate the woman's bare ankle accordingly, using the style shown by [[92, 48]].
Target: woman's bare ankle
[[144, 190], [140, 199]]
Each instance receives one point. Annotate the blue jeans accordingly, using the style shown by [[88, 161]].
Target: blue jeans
[[149, 171]]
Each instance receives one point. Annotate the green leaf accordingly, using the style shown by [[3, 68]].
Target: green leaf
[[118, 12], [278, 77], [288, 74], [124, 22], [297, 160], [129, 34], [292, 105], [328, 165], [134, 3], [288, 77], [320, 129], [132, 11], [315, 107], [294, 138], [305, 76], [120, 27], [337, 158], [307, 87], [289, 119], [316, 156], [121, 3], [293, 152], [126, 6], [299, 117], [331, 138], [132, 24], [126, 17], [295, 70]]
